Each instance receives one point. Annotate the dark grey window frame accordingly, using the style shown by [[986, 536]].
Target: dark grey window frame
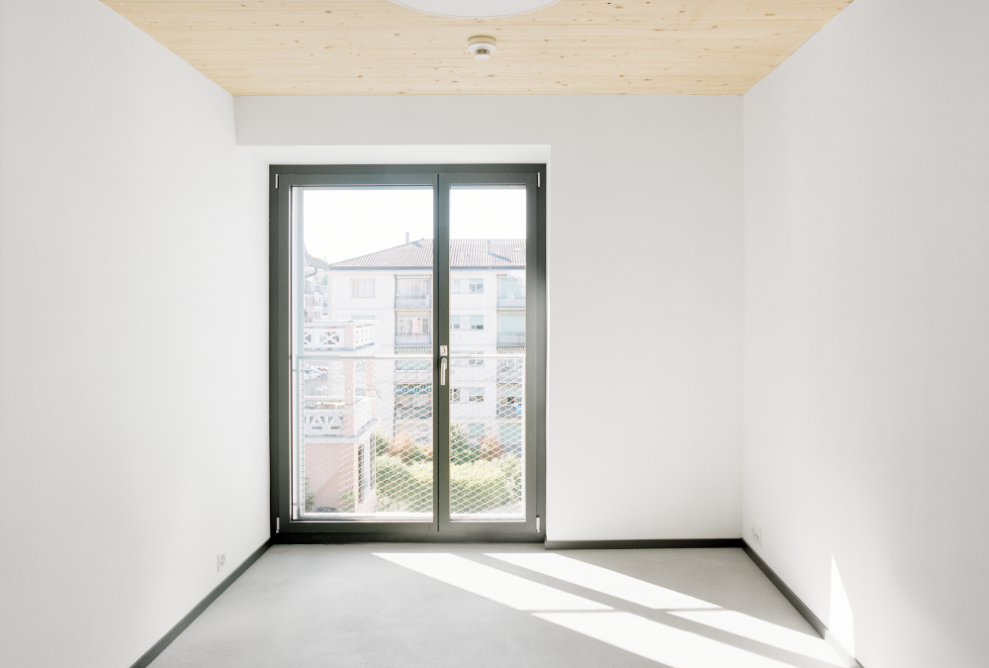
[[441, 177]]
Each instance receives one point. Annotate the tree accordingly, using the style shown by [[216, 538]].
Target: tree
[[403, 447], [461, 451]]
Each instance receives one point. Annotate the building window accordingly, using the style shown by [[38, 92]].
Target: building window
[[464, 322], [475, 395], [412, 288], [413, 401], [475, 286], [510, 433], [413, 325], [510, 401], [362, 288], [509, 366], [511, 289], [475, 362]]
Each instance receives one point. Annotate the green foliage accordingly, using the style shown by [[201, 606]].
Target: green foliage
[[402, 487], [419, 454], [310, 497], [477, 486], [490, 449], [511, 468], [461, 451], [381, 441], [403, 447], [347, 502]]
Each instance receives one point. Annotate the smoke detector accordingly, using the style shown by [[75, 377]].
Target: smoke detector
[[481, 47]]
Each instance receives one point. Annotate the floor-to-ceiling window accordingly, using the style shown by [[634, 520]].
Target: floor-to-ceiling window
[[408, 351]]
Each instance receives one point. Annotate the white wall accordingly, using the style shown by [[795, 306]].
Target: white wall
[[645, 215], [133, 338], [867, 322]]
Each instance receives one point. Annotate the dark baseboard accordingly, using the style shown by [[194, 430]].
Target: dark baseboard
[[788, 593], [801, 607], [167, 639], [642, 544]]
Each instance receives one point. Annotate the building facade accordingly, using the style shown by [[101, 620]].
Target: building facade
[[374, 314]]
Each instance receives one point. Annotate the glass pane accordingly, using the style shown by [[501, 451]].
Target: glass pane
[[364, 397], [487, 349]]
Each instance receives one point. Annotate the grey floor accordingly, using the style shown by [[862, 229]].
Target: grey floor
[[438, 606]]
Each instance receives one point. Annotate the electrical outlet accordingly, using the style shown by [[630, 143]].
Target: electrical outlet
[[221, 561], [756, 534]]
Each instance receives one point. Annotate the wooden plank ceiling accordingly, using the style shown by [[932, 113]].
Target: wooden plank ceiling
[[376, 47]]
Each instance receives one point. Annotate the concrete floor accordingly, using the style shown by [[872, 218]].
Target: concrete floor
[[438, 606]]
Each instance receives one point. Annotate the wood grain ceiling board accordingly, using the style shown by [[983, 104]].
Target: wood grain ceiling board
[[575, 47]]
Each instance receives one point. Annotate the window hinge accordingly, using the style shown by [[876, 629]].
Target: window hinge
[[539, 180], [276, 181], [278, 524], [537, 523]]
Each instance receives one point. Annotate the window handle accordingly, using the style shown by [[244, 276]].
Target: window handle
[[442, 371]]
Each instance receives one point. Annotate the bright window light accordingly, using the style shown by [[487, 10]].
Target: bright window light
[[740, 624], [664, 644], [605, 581], [510, 590]]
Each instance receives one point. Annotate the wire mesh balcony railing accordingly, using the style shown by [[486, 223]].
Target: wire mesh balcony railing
[[486, 438], [366, 437]]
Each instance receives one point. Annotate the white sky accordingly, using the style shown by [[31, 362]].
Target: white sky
[[344, 223]]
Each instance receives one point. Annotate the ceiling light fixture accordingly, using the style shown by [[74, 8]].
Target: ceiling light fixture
[[481, 47], [476, 9]]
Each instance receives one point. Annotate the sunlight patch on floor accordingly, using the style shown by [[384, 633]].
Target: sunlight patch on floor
[[491, 583], [765, 632], [604, 581], [667, 645]]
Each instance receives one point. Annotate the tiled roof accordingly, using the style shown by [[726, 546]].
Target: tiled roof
[[463, 253]]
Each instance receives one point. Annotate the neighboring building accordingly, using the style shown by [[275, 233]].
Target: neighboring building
[[380, 304]]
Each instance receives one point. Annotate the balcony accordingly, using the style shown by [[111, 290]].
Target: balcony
[[405, 302], [413, 413], [511, 302], [511, 339], [337, 335], [413, 339], [329, 416]]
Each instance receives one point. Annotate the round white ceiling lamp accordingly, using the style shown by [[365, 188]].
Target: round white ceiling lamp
[[476, 9], [481, 47]]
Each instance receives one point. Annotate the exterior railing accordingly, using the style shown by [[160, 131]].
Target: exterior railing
[[412, 339], [337, 335], [332, 419], [413, 302]]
